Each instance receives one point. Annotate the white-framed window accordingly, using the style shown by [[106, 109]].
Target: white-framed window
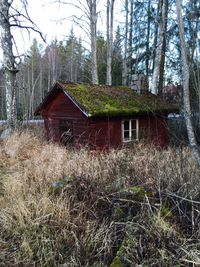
[[130, 130]]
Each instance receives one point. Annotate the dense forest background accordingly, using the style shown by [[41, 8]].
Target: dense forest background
[[147, 42], [138, 206]]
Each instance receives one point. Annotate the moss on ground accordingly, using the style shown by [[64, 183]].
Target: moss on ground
[[117, 262]]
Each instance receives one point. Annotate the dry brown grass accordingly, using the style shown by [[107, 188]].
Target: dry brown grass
[[122, 208]]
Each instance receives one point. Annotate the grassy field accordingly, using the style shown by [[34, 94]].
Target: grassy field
[[129, 207]]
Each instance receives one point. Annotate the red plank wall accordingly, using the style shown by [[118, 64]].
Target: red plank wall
[[60, 108], [99, 132], [106, 132], [153, 129]]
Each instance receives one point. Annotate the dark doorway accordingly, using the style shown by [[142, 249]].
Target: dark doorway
[[66, 132]]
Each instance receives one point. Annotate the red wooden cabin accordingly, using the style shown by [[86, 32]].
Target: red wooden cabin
[[102, 116]]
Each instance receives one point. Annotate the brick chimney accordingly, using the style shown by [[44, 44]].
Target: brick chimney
[[139, 83]]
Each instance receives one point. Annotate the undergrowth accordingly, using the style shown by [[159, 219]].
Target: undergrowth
[[66, 207]]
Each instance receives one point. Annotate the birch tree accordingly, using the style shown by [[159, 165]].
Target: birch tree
[[158, 70], [110, 9], [186, 93], [125, 63], [88, 23], [9, 64], [10, 17], [148, 38], [163, 45], [92, 5], [130, 43]]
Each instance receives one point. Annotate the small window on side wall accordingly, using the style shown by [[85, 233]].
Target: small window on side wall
[[130, 130]]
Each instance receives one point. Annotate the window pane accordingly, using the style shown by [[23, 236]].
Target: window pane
[[126, 135], [134, 135], [133, 124], [126, 125]]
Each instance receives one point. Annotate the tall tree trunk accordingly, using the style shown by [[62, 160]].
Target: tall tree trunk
[[186, 93], [156, 33], [130, 44], [41, 83], [110, 9], [93, 34], [148, 37], [125, 69], [54, 64], [160, 49], [163, 47], [27, 98], [193, 25], [9, 65], [72, 62]]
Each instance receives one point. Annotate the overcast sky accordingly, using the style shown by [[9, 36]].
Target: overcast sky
[[55, 21], [47, 17]]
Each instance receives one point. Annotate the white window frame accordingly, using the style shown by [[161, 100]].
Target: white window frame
[[130, 130]]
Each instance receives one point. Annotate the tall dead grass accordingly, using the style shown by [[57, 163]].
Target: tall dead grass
[[128, 207]]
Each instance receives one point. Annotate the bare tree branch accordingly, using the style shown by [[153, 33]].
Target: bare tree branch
[[81, 7], [29, 28]]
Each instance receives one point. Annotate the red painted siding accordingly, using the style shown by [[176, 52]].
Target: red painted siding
[[153, 129], [62, 108], [98, 133], [115, 132], [104, 132], [107, 132]]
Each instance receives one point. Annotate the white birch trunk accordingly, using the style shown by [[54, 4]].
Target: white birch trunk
[[130, 45], [93, 24], [186, 94], [110, 10], [10, 69], [125, 69], [158, 54], [148, 37]]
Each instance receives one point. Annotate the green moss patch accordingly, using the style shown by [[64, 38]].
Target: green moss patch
[[103, 100]]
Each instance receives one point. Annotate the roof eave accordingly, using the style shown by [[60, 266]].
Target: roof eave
[[136, 113], [76, 104], [73, 100], [40, 108]]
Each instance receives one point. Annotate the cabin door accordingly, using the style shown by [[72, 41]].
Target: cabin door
[[66, 132]]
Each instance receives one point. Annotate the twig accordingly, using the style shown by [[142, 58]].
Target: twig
[[183, 198], [29, 28]]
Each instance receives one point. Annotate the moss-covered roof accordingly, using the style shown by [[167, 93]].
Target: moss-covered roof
[[103, 100]]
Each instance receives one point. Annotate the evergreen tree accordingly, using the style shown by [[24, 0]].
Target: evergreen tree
[[101, 58], [117, 61]]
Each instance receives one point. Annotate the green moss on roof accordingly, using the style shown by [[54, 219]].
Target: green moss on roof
[[103, 100]]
